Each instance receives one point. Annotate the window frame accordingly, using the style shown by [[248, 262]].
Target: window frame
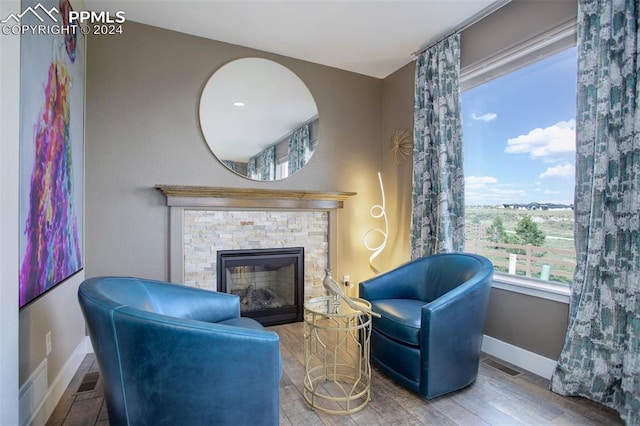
[[532, 50], [282, 167]]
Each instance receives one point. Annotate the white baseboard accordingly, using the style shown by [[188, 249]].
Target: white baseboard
[[45, 408], [532, 362]]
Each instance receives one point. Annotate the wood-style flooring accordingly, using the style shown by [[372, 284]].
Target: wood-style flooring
[[498, 397]]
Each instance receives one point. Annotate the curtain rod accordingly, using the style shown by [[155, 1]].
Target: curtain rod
[[463, 26]]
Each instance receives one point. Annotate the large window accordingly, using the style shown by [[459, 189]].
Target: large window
[[519, 156]]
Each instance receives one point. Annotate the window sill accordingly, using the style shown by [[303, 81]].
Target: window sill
[[532, 287]]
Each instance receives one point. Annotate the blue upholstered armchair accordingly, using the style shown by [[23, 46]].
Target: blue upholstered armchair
[[175, 355], [433, 311]]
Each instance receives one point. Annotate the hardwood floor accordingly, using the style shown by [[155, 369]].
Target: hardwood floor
[[498, 397]]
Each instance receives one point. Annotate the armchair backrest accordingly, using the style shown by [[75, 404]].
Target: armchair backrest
[[173, 300], [428, 278], [445, 272]]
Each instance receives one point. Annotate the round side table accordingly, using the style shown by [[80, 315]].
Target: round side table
[[336, 355]]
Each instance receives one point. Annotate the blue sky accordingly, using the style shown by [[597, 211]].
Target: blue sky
[[519, 135]]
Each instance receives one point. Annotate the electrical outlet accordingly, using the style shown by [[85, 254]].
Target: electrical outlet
[[48, 342], [346, 279]]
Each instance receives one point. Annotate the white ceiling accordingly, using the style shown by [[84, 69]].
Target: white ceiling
[[369, 37]]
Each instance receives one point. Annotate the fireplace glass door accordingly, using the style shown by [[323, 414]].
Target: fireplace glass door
[[269, 282]]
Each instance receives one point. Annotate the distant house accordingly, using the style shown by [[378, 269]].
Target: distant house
[[538, 206]]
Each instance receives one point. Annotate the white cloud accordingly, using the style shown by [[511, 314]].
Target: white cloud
[[563, 171], [480, 180], [484, 117], [486, 190], [545, 143], [494, 195]]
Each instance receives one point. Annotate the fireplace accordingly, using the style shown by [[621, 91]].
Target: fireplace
[[204, 220], [270, 282]]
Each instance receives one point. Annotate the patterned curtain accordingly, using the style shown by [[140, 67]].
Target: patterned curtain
[[252, 170], [299, 149], [601, 355], [437, 223], [231, 165], [262, 166], [268, 163]]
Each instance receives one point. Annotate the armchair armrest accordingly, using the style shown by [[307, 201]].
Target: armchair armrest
[[451, 335], [203, 366]]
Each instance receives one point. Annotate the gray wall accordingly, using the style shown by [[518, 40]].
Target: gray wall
[[512, 24], [142, 129], [532, 323], [397, 113], [58, 312]]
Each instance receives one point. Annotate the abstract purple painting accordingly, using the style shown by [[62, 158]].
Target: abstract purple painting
[[51, 157]]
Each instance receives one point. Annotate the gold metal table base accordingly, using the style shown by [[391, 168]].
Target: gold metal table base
[[336, 352]]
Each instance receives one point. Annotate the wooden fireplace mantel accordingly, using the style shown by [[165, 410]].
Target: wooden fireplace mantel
[[251, 198]]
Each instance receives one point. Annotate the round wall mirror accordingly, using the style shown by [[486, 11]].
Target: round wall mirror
[[259, 119]]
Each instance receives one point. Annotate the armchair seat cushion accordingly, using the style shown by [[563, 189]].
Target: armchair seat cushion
[[243, 322], [400, 319]]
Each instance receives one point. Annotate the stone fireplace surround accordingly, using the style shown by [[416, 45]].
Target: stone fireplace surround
[[206, 219]]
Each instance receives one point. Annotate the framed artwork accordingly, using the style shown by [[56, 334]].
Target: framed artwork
[[51, 149]]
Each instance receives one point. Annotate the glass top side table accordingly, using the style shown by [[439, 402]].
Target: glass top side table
[[336, 354]]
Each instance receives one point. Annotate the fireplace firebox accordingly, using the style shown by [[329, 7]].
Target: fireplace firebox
[[270, 282]]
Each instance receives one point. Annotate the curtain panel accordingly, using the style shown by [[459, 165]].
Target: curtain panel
[[601, 355], [268, 163], [252, 169], [262, 166], [437, 223], [299, 149], [231, 165]]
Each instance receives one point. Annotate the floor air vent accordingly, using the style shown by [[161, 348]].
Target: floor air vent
[[495, 364], [89, 382]]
